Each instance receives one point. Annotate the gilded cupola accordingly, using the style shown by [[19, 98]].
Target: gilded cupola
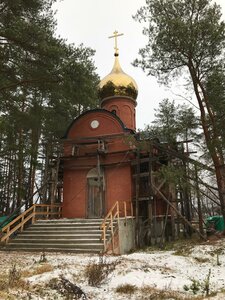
[[117, 82]]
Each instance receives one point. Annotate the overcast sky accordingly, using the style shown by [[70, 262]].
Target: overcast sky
[[91, 22]]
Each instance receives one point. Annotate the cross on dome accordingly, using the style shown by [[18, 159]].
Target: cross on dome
[[117, 83], [115, 36]]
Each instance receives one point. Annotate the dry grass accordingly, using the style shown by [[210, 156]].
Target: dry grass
[[201, 259], [4, 295], [26, 273], [126, 289], [21, 284], [183, 251], [4, 282], [13, 283], [151, 293], [182, 247], [17, 283], [42, 269]]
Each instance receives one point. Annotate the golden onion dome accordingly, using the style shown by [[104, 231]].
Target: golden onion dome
[[118, 83]]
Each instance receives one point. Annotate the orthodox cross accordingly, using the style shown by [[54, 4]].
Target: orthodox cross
[[115, 36]]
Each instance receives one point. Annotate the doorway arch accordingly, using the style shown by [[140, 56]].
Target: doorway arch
[[95, 193]]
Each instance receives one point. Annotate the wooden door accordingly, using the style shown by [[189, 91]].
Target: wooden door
[[95, 198]]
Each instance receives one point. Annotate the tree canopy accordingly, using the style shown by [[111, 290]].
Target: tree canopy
[[189, 36], [174, 123], [181, 34], [44, 84]]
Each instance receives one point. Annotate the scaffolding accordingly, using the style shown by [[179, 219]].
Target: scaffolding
[[164, 209]]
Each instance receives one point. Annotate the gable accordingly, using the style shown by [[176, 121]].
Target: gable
[[97, 122]]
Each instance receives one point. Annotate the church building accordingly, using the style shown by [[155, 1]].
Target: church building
[[114, 198], [98, 149]]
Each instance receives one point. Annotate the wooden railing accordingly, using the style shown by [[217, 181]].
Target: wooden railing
[[109, 222], [31, 214]]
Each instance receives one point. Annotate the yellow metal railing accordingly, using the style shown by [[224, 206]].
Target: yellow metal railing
[[32, 214], [109, 222]]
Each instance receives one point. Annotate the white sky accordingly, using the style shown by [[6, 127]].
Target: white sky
[[91, 22]]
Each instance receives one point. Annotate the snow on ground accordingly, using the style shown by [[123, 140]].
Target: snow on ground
[[149, 273]]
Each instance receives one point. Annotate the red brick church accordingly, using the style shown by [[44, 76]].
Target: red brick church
[[107, 173], [98, 149]]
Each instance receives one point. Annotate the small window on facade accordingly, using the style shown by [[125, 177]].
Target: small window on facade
[[113, 111], [75, 150]]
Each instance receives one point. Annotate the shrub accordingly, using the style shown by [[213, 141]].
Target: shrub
[[200, 286], [97, 273], [201, 259], [14, 274], [43, 258], [195, 286], [12, 279], [3, 283], [152, 293], [126, 288], [67, 289]]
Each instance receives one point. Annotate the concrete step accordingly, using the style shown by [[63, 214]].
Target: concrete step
[[55, 225], [68, 223], [34, 240], [60, 232], [70, 220], [26, 235], [53, 249], [43, 246], [64, 229], [70, 235]]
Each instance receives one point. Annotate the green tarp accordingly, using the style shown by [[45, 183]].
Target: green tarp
[[216, 223], [4, 218]]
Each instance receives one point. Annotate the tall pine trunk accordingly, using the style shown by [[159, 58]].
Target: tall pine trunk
[[211, 135]]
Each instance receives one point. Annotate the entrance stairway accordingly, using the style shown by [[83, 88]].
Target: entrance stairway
[[68, 235], [40, 228]]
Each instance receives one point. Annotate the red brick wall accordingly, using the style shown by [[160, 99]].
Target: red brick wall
[[118, 186], [74, 194], [117, 176], [125, 108]]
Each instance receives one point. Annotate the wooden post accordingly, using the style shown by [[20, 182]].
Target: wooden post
[[104, 237], [47, 215], [21, 228], [137, 187], [125, 211], [150, 198], [112, 233], [200, 218], [187, 201], [172, 213], [54, 170], [164, 224], [154, 220], [177, 211], [59, 211], [34, 212], [8, 230], [132, 214]]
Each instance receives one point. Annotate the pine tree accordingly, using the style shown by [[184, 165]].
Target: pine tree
[[44, 84], [188, 36]]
